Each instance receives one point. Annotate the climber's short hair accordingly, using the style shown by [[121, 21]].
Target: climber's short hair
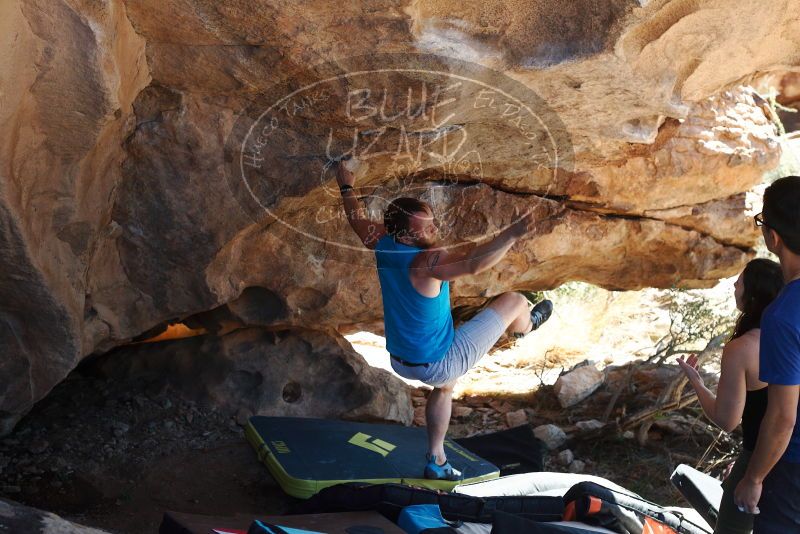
[[396, 218]]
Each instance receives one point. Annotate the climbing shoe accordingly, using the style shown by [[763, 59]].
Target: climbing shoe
[[434, 471], [541, 313]]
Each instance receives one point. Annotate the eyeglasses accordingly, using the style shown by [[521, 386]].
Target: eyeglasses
[[759, 219]]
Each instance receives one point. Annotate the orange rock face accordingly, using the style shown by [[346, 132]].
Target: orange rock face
[[161, 157]]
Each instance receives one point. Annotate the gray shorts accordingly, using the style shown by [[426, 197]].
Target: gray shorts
[[472, 340]]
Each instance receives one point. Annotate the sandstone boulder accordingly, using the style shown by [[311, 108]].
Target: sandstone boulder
[[254, 371], [119, 213]]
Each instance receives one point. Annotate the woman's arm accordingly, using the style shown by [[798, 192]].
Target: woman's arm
[[726, 407], [708, 400], [732, 387]]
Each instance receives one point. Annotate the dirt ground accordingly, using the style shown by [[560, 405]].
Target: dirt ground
[[223, 480], [116, 456]]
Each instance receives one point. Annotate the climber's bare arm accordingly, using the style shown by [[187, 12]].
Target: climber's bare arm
[[368, 231], [441, 264]]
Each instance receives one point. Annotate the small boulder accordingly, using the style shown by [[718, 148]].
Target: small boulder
[[574, 386], [516, 418], [461, 411], [577, 466], [591, 424], [419, 416], [565, 457], [501, 406], [552, 436]]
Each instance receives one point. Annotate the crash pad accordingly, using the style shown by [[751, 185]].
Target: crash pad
[[702, 491], [305, 455]]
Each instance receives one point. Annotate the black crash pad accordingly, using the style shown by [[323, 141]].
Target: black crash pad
[[306, 455]]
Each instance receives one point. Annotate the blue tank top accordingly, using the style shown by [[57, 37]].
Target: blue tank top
[[419, 329]]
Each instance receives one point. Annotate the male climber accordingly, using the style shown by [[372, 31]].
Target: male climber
[[414, 275], [770, 487]]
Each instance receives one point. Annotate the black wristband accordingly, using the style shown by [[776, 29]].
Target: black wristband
[[344, 188]]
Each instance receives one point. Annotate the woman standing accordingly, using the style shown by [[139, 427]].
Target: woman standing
[[741, 396]]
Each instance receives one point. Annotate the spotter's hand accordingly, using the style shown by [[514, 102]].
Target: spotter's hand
[[747, 495]]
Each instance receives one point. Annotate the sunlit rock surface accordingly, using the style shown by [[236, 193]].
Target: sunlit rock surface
[[124, 124]]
